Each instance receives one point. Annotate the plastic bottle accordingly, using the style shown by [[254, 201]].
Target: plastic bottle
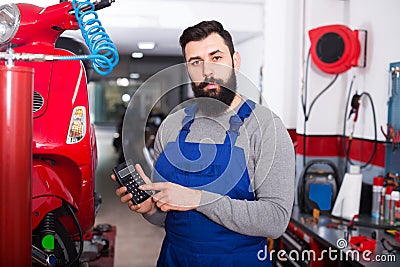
[[388, 202], [376, 196], [382, 204], [397, 212], [395, 197]]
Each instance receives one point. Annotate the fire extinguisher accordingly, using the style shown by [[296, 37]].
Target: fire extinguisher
[[16, 89]]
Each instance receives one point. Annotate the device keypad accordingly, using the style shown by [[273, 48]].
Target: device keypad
[[128, 176]]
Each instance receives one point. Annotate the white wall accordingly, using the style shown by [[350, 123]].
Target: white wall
[[379, 18], [251, 52], [282, 58]]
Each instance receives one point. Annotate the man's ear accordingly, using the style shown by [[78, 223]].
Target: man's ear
[[236, 61]]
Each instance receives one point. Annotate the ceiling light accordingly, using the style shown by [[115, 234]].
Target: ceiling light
[[146, 45], [126, 97], [123, 82], [134, 75], [137, 55]]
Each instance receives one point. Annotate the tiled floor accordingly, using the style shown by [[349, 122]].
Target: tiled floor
[[137, 241]]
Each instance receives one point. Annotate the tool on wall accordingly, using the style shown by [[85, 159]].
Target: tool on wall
[[337, 48], [392, 133], [355, 104], [334, 49]]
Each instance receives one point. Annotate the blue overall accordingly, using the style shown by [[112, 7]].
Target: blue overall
[[191, 238]]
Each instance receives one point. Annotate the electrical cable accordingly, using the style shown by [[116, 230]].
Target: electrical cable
[[344, 122], [304, 101], [347, 150], [320, 93], [393, 248], [304, 93], [104, 55], [304, 105], [69, 209], [375, 132]]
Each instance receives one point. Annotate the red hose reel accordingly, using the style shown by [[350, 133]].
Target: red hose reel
[[336, 48]]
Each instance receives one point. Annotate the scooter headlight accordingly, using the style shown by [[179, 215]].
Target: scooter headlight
[[77, 125], [10, 19]]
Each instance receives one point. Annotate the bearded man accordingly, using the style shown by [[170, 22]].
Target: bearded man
[[224, 170]]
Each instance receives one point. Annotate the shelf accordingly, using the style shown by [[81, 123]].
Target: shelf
[[367, 221]]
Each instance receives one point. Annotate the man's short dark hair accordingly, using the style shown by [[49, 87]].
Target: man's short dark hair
[[202, 30]]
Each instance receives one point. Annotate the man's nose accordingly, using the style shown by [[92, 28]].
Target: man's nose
[[208, 69]]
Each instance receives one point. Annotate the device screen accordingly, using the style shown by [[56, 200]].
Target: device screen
[[126, 171]]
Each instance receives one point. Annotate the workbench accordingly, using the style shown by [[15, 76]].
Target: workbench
[[326, 243]]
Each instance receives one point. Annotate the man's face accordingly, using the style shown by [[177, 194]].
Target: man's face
[[212, 68]]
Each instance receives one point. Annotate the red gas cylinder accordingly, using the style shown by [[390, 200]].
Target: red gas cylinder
[[16, 89]]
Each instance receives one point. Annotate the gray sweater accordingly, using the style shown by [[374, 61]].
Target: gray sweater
[[270, 162]]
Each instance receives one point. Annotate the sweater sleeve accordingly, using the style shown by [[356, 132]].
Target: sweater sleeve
[[157, 218], [269, 214]]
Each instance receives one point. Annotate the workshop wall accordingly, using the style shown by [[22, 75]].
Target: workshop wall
[[286, 46], [282, 58], [326, 120], [251, 52], [382, 48]]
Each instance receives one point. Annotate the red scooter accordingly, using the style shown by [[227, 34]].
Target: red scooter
[[64, 145]]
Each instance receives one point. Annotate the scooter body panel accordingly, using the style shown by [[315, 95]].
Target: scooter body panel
[[36, 22], [76, 161], [61, 171]]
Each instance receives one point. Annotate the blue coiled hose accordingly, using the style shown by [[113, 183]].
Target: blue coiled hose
[[104, 55]]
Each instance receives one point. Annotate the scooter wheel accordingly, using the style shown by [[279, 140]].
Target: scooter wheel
[[64, 247]]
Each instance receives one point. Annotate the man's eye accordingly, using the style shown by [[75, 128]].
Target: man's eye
[[216, 58], [195, 62]]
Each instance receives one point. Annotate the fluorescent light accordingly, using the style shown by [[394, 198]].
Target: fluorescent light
[[137, 55], [134, 75], [146, 45]]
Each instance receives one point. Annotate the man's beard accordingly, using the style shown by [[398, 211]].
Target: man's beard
[[215, 101]]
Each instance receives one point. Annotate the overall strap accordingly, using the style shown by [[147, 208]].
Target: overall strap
[[187, 121], [237, 120]]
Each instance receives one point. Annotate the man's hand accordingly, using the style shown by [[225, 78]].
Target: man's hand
[[173, 196], [148, 206]]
